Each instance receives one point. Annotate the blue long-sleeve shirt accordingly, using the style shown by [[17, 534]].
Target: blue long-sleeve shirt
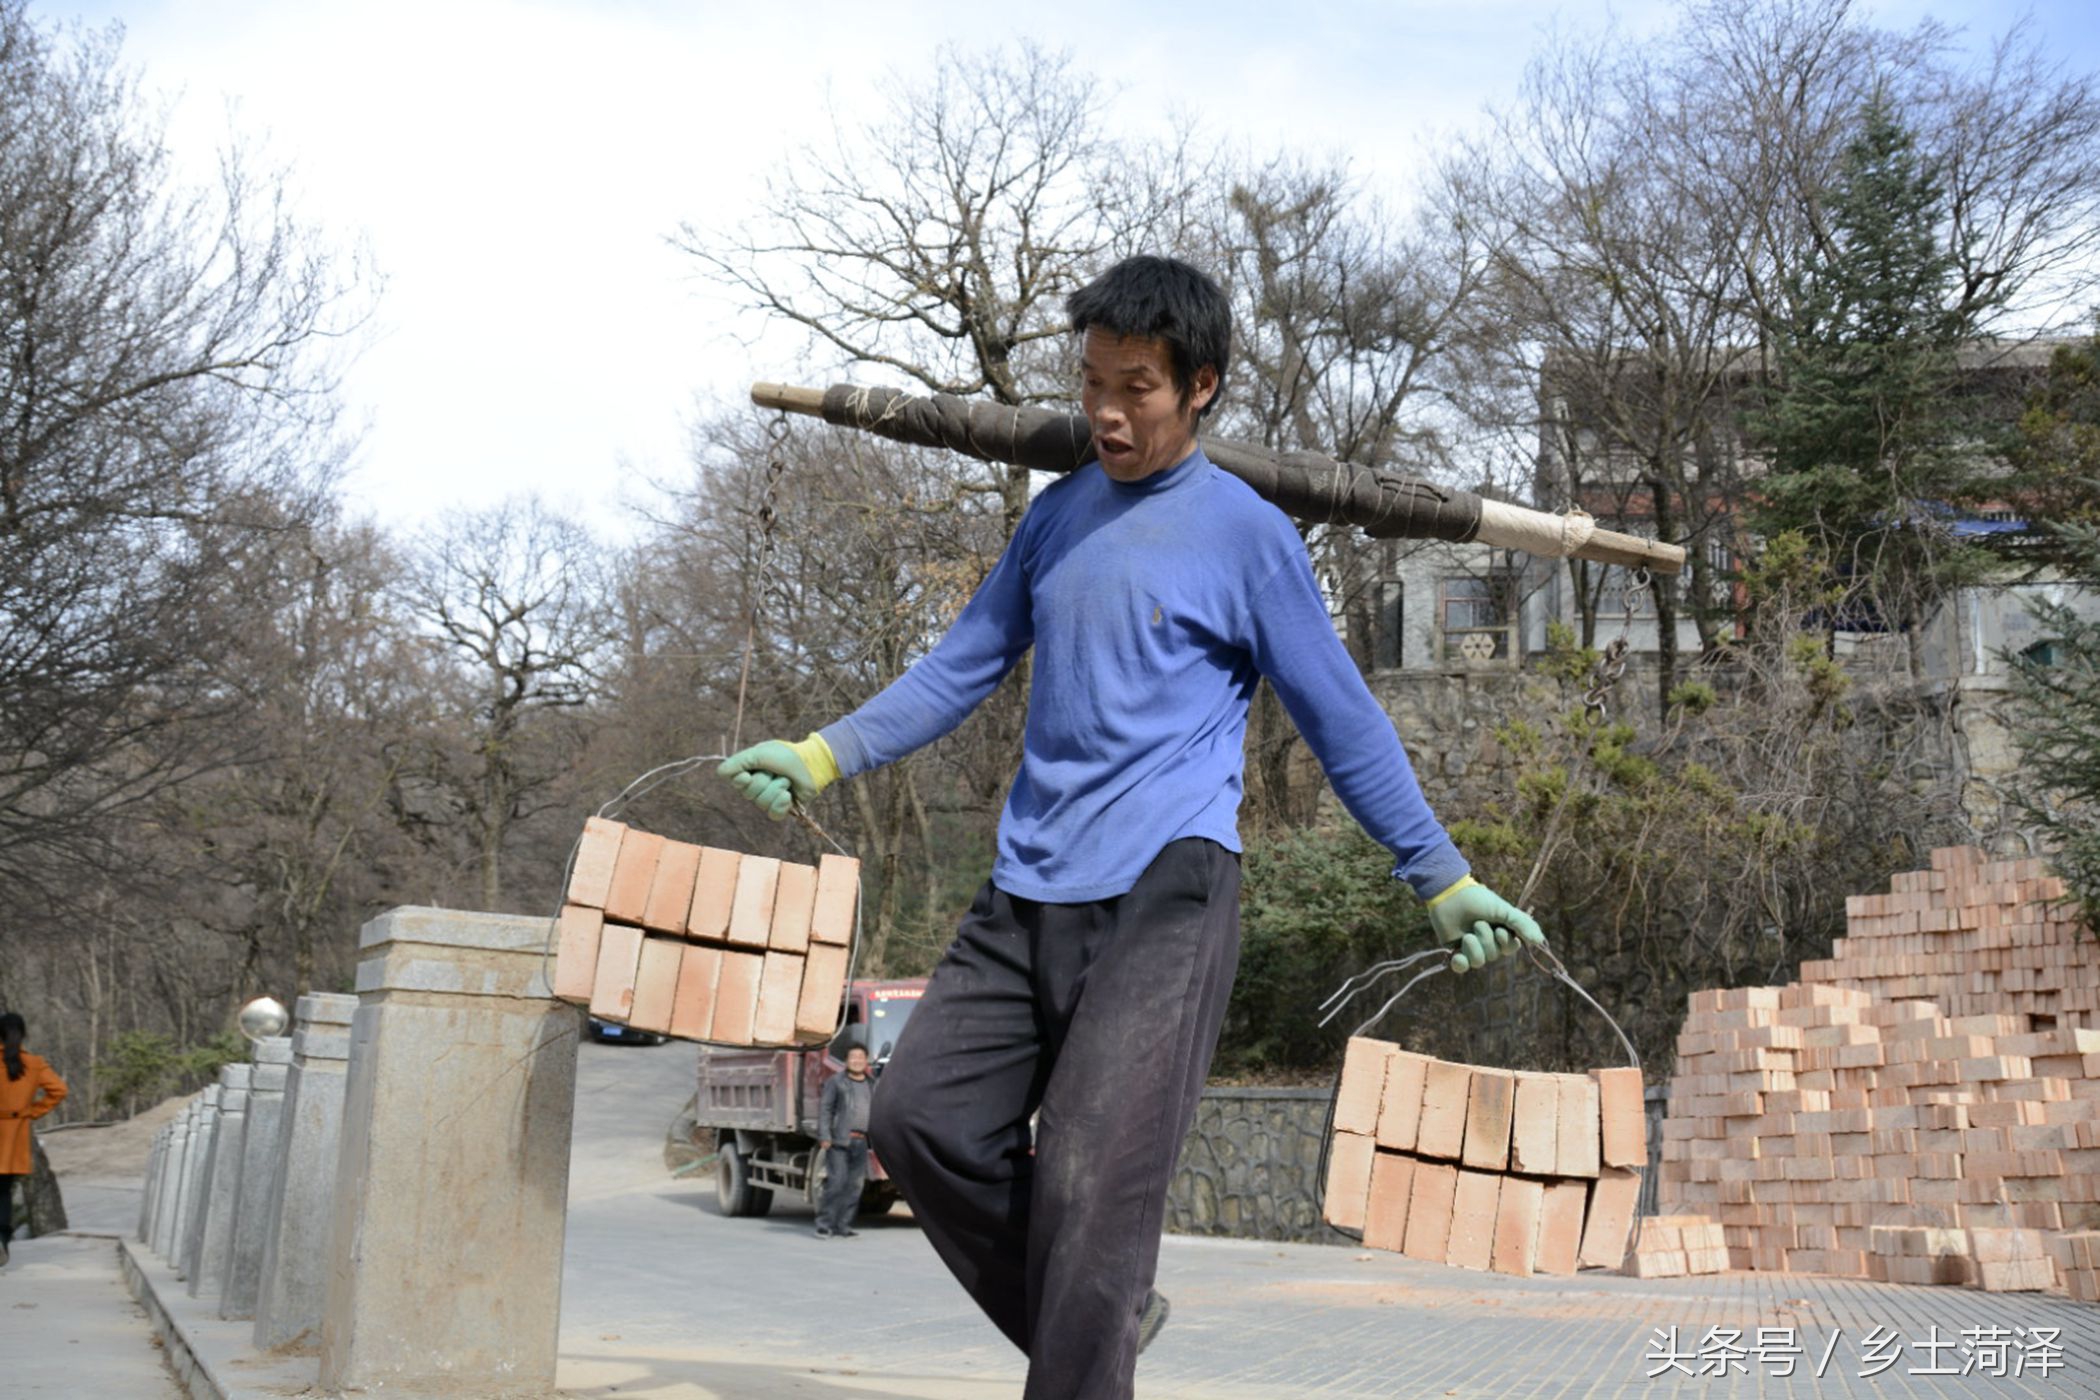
[[1153, 607]]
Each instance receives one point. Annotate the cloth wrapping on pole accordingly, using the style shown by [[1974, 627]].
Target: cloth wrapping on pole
[[1306, 485]]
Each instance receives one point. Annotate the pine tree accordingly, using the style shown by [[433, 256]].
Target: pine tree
[[1861, 422], [2056, 723]]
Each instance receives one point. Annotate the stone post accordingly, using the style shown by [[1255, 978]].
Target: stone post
[[202, 1133], [222, 1177], [153, 1161], [446, 1251], [295, 1253], [258, 1174], [164, 1211]]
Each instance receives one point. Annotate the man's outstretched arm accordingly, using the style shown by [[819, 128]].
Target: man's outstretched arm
[[936, 694], [1295, 646]]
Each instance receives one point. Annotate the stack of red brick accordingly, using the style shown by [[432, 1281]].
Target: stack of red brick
[[1923, 1086], [702, 943], [1485, 1168], [1672, 1246], [2077, 1255]]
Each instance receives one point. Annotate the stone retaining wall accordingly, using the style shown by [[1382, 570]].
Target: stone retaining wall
[[1250, 1166]]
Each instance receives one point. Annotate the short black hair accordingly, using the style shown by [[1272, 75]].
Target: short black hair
[[1162, 299]]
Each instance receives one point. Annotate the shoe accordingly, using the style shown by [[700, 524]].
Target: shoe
[[845, 1232], [824, 1232], [1152, 1317]]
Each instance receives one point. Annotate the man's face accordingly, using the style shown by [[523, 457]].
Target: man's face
[[856, 1061], [1127, 392]]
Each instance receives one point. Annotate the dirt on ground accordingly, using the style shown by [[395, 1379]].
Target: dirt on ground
[[117, 1152]]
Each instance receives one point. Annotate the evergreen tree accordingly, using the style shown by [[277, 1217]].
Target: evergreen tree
[[2056, 722], [1861, 422]]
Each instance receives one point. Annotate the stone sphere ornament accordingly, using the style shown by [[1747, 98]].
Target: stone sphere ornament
[[264, 1017]]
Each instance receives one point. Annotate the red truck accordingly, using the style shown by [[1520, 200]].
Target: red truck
[[762, 1104]]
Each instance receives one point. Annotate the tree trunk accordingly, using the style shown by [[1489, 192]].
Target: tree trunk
[[1664, 586]]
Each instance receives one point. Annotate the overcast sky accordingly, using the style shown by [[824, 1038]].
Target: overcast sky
[[514, 168]]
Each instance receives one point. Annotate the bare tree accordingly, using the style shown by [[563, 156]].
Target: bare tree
[[165, 405], [514, 599], [939, 242]]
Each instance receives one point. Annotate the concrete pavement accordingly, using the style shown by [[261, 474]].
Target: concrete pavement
[[69, 1329], [665, 1299]]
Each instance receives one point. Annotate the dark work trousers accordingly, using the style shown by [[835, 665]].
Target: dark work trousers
[[1104, 1017], [845, 1173]]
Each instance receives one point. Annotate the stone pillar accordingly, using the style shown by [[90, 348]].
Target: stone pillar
[[445, 1256], [222, 1176], [202, 1132], [295, 1253], [153, 1161], [258, 1174], [164, 1212]]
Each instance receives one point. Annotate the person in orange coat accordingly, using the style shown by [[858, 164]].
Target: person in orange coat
[[23, 1077]]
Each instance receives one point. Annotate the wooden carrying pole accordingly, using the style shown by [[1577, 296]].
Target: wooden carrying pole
[[1304, 484]]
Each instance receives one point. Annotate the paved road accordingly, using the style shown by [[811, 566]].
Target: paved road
[[69, 1330], [665, 1298]]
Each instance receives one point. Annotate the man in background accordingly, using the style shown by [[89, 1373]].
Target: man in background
[[842, 1132]]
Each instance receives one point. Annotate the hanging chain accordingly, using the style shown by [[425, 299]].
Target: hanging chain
[[1611, 663], [776, 468]]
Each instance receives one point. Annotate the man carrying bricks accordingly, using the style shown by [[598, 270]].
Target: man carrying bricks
[[1091, 973]]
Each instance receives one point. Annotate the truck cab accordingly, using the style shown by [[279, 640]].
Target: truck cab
[[763, 1104]]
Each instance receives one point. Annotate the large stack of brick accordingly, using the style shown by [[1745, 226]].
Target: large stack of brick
[[1485, 1168], [702, 943], [1922, 1107]]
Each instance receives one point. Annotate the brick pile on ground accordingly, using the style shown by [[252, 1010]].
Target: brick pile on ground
[[702, 943], [1921, 1107], [2077, 1255], [1674, 1246], [1485, 1168]]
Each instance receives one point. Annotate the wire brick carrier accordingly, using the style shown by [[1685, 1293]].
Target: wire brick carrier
[[705, 944]]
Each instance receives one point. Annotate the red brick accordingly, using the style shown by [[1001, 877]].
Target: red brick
[[1624, 1117], [1348, 1182], [780, 988], [693, 1005], [612, 990], [1612, 1203], [793, 905], [1445, 1091], [1472, 1241], [751, 918], [671, 889], [714, 894], [576, 953], [655, 984], [823, 985], [627, 899], [736, 998], [838, 891], [1517, 1226], [1581, 1137], [1535, 1125], [1429, 1211], [1400, 1108], [590, 874], [1560, 1227], [1490, 1097], [1385, 1214], [1363, 1080]]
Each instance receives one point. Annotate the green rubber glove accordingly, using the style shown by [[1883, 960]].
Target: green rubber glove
[[1478, 925], [777, 774]]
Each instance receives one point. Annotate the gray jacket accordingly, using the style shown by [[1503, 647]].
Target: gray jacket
[[844, 1110]]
